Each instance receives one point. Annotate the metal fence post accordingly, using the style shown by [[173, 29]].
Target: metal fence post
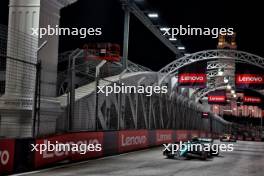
[[120, 100], [71, 65], [97, 79], [37, 94]]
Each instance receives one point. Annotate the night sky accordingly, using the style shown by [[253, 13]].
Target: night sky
[[145, 49]]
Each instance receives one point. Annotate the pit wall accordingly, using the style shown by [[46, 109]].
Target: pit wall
[[16, 155]]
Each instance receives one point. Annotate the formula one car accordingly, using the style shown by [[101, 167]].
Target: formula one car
[[228, 138], [196, 148]]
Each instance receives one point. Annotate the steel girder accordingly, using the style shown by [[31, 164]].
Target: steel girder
[[237, 56]]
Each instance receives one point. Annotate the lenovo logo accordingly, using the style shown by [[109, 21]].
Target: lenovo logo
[[132, 140], [216, 98], [249, 79], [192, 78], [252, 99]]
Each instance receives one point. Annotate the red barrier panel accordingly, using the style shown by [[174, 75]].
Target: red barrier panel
[[257, 139], [194, 133], [248, 139], [93, 140], [240, 137], [7, 150], [164, 137], [209, 135], [203, 134], [132, 140], [182, 135]]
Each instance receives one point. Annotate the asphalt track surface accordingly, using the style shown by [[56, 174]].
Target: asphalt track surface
[[247, 159]]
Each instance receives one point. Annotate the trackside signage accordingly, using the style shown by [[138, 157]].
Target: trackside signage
[[132, 140], [192, 78], [91, 142], [251, 99], [164, 136], [7, 149], [193, 75], [216, 98], [194, 133], [182, 135], [249, 76], [250, 79]]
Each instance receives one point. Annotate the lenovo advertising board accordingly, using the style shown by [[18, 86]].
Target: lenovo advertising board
[[249, 76], [217, 97], [193, 75], [132, 140], [182, 135], [164, 137], [252, 98]]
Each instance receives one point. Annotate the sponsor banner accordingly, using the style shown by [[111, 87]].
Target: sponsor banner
[[132, 140], [94, 141], [164, 137], [193, 75], [182, 135], [248, 76], [257, 138], [240, 137], [217, 97], [248, 139], [203, 134], [249, 79], [209, 135], [250, 99], [194, 133], [191, 78], [7, 150]]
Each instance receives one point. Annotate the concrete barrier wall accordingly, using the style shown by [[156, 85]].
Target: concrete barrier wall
[[16, 154]]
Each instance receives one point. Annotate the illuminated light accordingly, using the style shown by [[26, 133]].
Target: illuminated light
[[232, 92], [164, 29], [181, 48], [153, 15], [220, 72], [226, 80], [234, 95], [172, 39], [228, 87]]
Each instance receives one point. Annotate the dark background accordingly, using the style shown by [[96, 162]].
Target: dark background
[[145, 49]]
